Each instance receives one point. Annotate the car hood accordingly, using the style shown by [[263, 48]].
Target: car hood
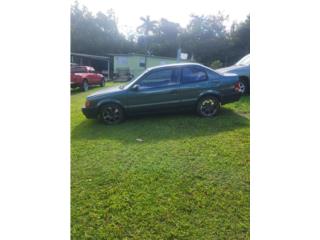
[[106, 91], [229, 69]]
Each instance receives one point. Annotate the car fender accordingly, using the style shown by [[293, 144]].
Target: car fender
[[76, 78], [210, 92], [104, 101]]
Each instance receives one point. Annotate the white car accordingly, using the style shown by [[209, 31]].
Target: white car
[[242, 69]]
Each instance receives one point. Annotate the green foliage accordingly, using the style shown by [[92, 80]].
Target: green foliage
[[165, 40], [239, 43], [188, 178], [205, 37], [216, 64], [147, 26], [96, 34]]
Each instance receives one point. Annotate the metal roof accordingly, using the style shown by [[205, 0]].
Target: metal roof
[[90, 56], [141, 55], [120, 54]]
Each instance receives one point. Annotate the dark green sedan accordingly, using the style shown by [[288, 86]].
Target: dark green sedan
[[174, 87]]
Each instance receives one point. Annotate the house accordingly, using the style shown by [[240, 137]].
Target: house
[[118, 65], [136, 63]]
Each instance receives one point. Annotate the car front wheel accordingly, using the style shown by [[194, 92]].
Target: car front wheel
[[208, 106], [85, 86], [111, 113]]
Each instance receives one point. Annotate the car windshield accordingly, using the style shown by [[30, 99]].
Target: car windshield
[[128, 84], [244, 61]]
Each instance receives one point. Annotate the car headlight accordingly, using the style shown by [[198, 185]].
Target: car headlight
[[88, 104]]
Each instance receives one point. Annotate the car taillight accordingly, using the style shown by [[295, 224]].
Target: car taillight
[[237, 87], [88, 103]]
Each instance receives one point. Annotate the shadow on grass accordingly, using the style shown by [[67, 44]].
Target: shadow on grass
[[154, 128], [78, 90], [93, 87]]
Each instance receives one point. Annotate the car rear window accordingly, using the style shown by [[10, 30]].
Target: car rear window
[[193, 74]]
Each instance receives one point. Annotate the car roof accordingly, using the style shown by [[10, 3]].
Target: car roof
[[78, 66], [176, 65]]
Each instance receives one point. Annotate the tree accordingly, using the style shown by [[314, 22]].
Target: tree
[[96, 34], [164, 41], [239, 40], [145, 28], [205, 37]]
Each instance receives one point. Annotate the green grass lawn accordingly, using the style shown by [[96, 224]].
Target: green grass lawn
[[187, 179]]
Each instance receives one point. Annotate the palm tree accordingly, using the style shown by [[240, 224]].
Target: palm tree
[[146, 27]]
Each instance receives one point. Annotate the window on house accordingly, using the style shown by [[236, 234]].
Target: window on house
[[142, 62]]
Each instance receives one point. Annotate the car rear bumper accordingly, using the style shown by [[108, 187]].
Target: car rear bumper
[[90, 113], [230, 98]]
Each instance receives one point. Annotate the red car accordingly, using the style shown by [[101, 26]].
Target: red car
[[84, 76]]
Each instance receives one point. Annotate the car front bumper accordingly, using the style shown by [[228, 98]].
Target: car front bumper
[[90, 113], [74, 84]]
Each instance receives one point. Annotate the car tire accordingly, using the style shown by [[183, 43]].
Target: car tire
[[103, 82], [244, 86], [85, 86], [208, 106], [111, 113]]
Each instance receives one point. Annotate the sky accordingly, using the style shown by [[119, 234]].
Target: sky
[[128, 12]]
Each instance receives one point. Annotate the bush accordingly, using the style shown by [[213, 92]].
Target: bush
[[216, 64]]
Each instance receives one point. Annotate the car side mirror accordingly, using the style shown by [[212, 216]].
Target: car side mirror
[[135, 87]]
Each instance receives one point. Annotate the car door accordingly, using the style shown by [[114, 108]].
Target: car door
[[194, 80], [157, 90], [96, 76]]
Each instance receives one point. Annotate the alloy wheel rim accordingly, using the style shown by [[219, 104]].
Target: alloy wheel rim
[[208, 107], [242, 87], [111, 114]]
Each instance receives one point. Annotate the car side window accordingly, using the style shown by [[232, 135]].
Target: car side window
[[193, 74], [74, 70], [78, 70], [158, 78]]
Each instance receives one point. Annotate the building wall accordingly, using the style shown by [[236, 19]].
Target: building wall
[[155, 61], [134, 63]]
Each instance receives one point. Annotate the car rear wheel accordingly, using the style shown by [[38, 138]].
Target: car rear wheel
[[85, 86], [103, 82], [208, 106], [244, 86], [111, 113]]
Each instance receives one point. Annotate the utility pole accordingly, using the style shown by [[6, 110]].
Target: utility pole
[[178, 54], [146, 50], [179, 48]]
